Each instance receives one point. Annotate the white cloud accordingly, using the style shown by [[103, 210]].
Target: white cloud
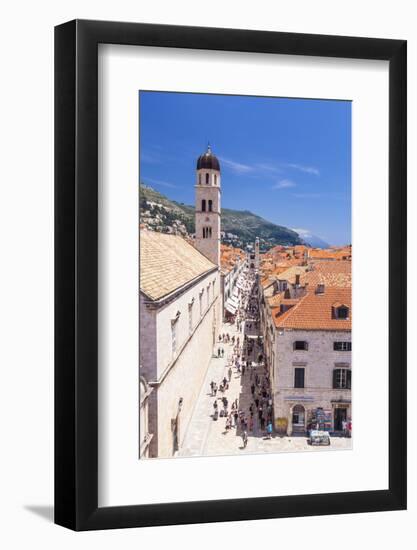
[[268, 167], [284, 184], [237, 167], [304, 168]]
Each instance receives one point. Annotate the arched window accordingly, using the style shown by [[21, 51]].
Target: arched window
[[199, 179], [210, 206], [209, 231], [203, 205], [207, 178], [215, 179]]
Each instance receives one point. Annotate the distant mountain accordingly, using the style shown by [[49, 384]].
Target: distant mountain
[[239, 227], [311, 240]]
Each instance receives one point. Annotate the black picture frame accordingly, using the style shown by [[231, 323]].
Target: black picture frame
[[76, 272]]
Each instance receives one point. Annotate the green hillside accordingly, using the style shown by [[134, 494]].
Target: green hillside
[[240, 227]]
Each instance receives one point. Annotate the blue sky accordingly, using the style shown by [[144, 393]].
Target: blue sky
[[287, 160]]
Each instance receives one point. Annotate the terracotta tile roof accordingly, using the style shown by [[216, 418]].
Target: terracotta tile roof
[[275, 301], [278, 299], [229, 256], [341, 266], [330, 253], [332, 274], [290, 273], [315, 312], [275, 269], [168, 262]]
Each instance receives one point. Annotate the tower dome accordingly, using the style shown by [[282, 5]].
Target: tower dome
[[208, 161]]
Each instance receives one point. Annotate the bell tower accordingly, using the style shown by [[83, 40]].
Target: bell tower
[[207, 206], [257, 254]]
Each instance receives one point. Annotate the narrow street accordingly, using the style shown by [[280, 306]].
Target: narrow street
[[241, 367], [247, 388]]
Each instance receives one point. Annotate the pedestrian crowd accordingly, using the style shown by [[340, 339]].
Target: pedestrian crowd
[[245, 358]]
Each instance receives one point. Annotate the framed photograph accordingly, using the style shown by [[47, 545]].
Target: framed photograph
[[230, 337]]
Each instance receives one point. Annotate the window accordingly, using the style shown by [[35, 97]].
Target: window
[[208, 296], [342, 312], [203, 205], [199, 179], [207, 178], [342, 379], [190, 317], [299, 377], [201, 302], [210, 206], [174, 326], [342, 346], [300, 345], [215, 179]]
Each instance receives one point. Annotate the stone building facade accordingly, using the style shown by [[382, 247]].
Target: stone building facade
[[316, 377], [177, 332], [180, 310], [145, 437], [307, 340]]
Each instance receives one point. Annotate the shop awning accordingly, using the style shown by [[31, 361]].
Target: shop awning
[[230, 307]]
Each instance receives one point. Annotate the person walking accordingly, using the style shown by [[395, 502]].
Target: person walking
[[216, 413], [229, 373], [244, 438], [212, 388], [228, 423], [218, 352], [252, 389], [236, 417], [269, 430]]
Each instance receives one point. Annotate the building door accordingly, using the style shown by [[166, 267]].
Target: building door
[[298, 419], [340, 416]]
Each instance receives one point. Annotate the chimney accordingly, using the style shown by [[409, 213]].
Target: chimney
[[320, 288], [297, 279]]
